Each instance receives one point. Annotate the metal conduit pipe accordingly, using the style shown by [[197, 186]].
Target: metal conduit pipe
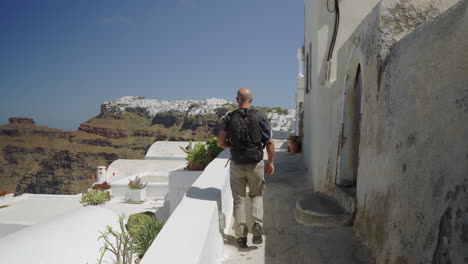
[[333, 41]]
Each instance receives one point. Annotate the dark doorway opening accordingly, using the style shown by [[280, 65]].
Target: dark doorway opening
[[348, 151]]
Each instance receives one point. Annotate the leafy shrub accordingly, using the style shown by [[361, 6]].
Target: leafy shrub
[[200, 155], [144, 239], [213, 149], [145, 227], [101, 186], [136, 183], [136, 220], [95, 197]]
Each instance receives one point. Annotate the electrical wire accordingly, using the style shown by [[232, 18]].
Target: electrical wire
[[335, 32]]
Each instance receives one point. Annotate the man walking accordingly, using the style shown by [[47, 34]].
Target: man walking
[[246, 131]]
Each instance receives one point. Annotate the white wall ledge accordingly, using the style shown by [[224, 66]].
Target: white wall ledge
[[68, 238], [194, 232]]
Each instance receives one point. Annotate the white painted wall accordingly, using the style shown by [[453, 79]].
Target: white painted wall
[[124, 168], [167, 150], [179, 182], [323, 104], [193, 233], [320, 103]]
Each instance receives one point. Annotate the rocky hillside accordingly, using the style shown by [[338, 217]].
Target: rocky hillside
[[37, 159]]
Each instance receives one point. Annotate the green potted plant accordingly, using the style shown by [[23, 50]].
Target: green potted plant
[[95, 197], [294, 144], [137, 192], [198, 157], [145, 227], [105, 186]]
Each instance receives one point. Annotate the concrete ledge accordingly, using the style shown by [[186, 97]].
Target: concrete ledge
[[123, 169], [29, 209], [167, 150], [70, 238], [194, 232], [35, 195]]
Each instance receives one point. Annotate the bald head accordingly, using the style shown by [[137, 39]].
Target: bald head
[[244, 96]]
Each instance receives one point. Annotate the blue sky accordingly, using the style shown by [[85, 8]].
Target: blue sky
[[59, 60]]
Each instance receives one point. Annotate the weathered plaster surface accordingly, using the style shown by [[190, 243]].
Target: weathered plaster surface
[[400, 17], [413, 168], [412, 186]]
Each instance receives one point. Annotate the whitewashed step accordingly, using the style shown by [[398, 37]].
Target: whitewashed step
[[319, 210], [346, 196]]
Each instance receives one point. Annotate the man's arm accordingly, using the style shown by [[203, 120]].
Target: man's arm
[[270, 167], [267, 139], [222, 139]]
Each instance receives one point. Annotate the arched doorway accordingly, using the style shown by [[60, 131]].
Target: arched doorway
[[348, 151]]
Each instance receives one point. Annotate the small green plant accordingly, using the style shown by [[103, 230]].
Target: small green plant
[[292, 138], [144, 239], [146, 227], [200, 155], [123, 248], [134, 238], [136, 183], [95, 197]]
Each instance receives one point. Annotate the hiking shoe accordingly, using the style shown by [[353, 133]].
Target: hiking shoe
[[242, 242], [257, 234]]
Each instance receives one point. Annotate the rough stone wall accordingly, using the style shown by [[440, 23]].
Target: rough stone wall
[[412, 188], [103, 131], [400, 17]]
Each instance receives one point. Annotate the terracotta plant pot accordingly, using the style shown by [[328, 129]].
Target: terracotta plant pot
[[294, 147], [191, 166]]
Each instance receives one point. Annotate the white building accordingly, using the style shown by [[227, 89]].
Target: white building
[[385, 121]]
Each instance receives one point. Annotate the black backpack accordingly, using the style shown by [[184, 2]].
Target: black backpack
[[245, 136]]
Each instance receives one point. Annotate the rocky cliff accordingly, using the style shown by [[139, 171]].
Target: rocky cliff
[[38, 159]]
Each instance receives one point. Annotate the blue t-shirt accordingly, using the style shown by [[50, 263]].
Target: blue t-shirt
[[265, 127]]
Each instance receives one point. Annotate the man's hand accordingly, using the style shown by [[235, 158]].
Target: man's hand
[[270, 168]]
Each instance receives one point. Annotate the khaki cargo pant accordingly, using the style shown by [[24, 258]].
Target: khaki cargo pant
[[251, 175]]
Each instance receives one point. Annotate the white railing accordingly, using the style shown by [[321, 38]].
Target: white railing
[[194, 232]]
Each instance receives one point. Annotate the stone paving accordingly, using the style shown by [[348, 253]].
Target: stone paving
[[287, 241]]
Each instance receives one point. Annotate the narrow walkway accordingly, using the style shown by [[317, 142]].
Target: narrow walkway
[[287, 241]]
